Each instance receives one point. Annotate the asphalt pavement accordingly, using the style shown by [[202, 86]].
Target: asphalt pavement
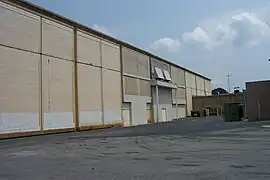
[[198, 148]]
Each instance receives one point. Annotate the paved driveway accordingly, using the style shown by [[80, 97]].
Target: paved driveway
[[190, 149]]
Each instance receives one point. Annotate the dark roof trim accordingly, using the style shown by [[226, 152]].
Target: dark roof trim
[[55, 16], [260, 81], [220, 95]]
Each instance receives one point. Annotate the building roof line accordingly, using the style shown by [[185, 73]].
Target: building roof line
[[73, 23]]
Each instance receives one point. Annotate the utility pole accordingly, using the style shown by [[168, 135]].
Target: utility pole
[[229, 82]]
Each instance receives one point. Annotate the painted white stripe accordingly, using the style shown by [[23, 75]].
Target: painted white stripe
[[19, 122], [58, 120], [112, 116], [88, 118]]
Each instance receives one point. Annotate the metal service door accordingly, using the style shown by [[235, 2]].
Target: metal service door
[[164, 115]]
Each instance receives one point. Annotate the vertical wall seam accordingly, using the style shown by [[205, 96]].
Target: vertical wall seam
[[186, 89], [138, 87], [41, 113], [151, 89], [122, 83], [75, 82], [176, 104], [157, 103], [101, 80], [49, 84], [150, 76], [204, 87], [196, 85]]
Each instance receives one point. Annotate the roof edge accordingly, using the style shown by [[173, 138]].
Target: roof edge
[[73, 23]]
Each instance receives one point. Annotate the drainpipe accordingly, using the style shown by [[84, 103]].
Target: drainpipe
[[157, 102], [259, 110], [245, 104], [176, 105]]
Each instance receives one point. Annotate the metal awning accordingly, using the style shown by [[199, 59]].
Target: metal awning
[[163, 84]]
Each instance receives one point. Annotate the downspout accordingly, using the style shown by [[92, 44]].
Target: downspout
[[177, 115], [157, 102]]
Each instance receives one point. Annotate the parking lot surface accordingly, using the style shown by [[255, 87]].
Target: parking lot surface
[[203, 148]]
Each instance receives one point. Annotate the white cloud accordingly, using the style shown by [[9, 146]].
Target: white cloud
[[168, 44], [237, 29], [198, 35], [101, 29], [235, 42]]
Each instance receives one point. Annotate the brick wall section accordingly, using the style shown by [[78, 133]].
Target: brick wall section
[[258, 100], [200, 102]]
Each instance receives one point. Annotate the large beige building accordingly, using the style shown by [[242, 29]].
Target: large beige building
[[58, 75]]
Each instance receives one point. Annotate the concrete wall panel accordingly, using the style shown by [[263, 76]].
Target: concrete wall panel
[[110, 56], [57, 40], [145, 88], [200, 83], [19, 122], [130, 61], [189, 101], [180, 113], [143, 66], [131, 86], [179, 93], [112, 96], [190, 80], [135, 63], [178, 76], [19, 28], [200, 93], [208, 86], [88, 48], [57, 93], [58, 120], [173, 94], [19, 91], [89, 95], [194, 92]]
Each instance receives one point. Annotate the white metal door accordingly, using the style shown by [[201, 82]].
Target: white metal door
[[126, 117], [164, 115]]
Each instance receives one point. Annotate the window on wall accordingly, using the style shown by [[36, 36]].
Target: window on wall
[[167, 75], [159, 73]]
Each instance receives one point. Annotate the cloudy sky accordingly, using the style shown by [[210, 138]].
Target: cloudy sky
[[211, 37]]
